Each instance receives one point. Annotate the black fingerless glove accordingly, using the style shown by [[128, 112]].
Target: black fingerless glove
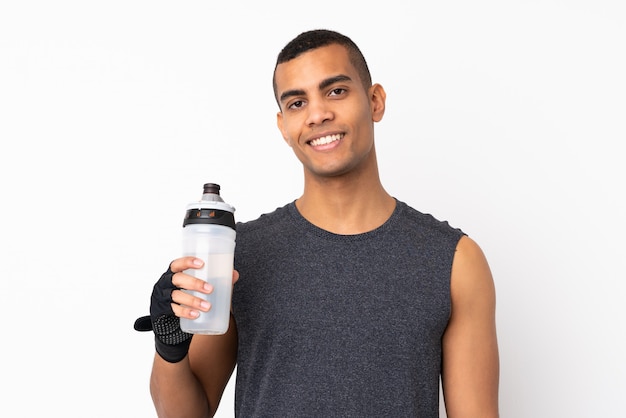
[[171, 342]]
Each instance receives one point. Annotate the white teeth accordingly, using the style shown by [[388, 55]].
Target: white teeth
[[325, 140]]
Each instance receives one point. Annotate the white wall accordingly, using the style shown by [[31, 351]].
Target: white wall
[[505, 118]]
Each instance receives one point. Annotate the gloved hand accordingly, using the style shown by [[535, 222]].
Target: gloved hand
[[171, 342]]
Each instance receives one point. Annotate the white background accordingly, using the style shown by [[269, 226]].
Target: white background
[[505, 118]]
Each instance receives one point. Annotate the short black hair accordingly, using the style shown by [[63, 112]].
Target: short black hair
[[318, 38]]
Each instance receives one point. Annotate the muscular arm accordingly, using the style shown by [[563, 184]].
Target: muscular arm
[[193, 387], [470, 375]]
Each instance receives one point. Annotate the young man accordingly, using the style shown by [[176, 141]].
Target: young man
[[347, 302]]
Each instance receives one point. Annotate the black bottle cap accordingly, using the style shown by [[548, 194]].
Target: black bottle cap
[[211, 188]]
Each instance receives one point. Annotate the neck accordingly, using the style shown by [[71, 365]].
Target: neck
[[346, 206]]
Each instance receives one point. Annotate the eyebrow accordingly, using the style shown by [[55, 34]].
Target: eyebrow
[[323, 84]]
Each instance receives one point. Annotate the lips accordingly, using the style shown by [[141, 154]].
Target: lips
[[325, 140]]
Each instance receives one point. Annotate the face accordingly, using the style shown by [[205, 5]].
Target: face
[[327, 117]]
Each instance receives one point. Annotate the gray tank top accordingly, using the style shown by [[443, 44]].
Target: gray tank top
[[341, 325]]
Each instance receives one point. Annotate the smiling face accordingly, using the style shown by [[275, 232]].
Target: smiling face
[[327, 117]]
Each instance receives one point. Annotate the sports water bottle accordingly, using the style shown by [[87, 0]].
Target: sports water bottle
[[209, 234]]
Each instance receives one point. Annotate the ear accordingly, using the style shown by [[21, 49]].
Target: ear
[[281, 128], [377, 102]]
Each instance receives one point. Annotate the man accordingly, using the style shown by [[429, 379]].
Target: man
[[347, 302]]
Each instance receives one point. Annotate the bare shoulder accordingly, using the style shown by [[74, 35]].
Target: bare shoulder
[[471, 275]]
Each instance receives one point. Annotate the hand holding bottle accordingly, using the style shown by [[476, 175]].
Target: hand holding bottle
[[170, 301], [183, 302]]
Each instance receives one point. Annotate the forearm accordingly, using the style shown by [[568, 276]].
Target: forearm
[[176, 392]]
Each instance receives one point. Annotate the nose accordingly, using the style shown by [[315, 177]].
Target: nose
[[318, 113]]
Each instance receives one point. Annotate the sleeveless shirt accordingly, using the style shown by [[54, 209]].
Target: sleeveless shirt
[[341, 325]]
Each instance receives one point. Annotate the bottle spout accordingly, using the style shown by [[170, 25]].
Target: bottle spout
[[211, 193]]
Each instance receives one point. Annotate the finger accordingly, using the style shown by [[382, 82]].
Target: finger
[[235, 276], [187, 305], [188, 282], [185, 311], [187, 299], [184, 263]]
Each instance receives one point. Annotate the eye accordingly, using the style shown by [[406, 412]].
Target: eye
[[337, 91], [296, 105]]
